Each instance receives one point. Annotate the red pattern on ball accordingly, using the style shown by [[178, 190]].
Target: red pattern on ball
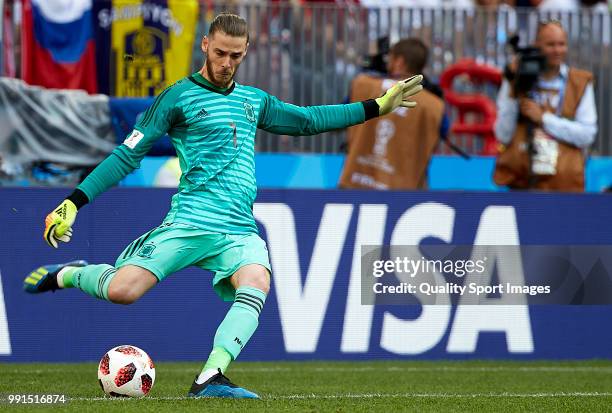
[[129, 350], [151, 365], [125, 374], [147, 383], [104, 368]]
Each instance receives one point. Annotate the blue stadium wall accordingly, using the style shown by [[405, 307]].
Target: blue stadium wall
[[322, 171], [313, 311]]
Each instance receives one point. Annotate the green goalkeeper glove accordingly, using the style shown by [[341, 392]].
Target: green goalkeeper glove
[[58, 224], [398, 95]]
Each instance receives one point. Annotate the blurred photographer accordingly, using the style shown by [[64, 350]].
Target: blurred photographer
[[546, 117], [394, 152]]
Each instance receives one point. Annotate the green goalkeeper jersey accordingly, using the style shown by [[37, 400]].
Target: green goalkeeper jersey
[[213, 131]]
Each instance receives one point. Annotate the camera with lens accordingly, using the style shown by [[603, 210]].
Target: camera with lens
[[378, 62], [531, 64]]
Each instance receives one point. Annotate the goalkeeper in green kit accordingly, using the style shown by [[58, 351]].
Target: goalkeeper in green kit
[[212, 121]]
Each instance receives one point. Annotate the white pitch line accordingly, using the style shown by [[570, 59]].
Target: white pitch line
[[555, 369], [441, 395], [375, 395], [349, 369]]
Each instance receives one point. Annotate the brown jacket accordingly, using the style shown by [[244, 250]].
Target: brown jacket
[[392, 151], [512, 166]]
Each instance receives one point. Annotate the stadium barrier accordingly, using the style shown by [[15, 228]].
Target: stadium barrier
[[309, 54], [314, 310]]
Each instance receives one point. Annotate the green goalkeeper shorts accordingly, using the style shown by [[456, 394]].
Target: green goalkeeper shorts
[[171, 247]]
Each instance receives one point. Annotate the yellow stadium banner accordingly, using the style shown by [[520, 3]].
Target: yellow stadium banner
[[148, 44]]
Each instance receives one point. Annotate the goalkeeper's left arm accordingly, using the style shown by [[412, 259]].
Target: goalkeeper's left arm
[[287, 119], [156, 121]]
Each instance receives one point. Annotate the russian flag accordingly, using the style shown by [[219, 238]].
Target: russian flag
[[59, 47]]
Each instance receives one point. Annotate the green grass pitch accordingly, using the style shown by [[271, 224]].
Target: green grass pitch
[[364, 386]]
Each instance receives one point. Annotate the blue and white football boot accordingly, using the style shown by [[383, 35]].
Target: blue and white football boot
[[44, 278], [220, 386]]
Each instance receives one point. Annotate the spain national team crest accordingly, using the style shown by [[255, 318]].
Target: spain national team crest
[[146, 251], [250, 112]]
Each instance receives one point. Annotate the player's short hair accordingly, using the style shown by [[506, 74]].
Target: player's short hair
[[413, 51], [230, 24]]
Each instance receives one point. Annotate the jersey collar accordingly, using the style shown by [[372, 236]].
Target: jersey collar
[[201, 81]]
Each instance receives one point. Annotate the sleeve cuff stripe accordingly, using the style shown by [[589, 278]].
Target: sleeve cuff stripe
[[79, 198], [370, 108]]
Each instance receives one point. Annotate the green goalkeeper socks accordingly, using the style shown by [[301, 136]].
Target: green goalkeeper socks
[[235, 330], [241, 320], [219, 359], [64, 278], [92, 279]]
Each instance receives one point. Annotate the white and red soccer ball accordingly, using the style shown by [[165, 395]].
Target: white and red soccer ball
[[126, 371]]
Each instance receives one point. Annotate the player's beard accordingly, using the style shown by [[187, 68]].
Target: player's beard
[[219, 81]]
